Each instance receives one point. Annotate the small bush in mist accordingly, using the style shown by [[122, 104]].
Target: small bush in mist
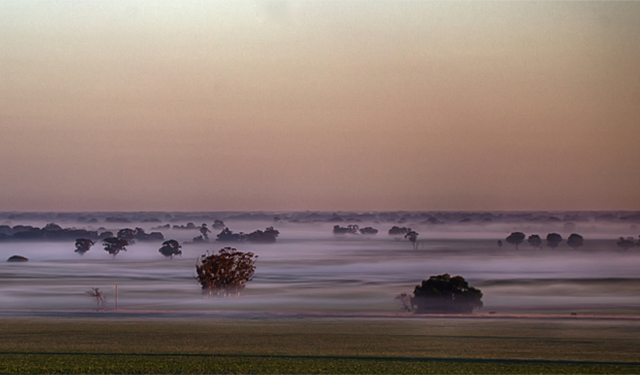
[[575, 240], [170, 249], [83, 245], [101, 299], [114, 245], [516, 238], [225, 273], [442, 294], [553, 240]]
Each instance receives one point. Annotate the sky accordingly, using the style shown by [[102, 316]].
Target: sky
[[319, 105]]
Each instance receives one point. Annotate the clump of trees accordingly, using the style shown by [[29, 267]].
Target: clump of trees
[[398, 231], [225, 273], [442, 294], [83, 245], [170, 249], [368, 230], [269, 235], [349, 229], [114, 245]]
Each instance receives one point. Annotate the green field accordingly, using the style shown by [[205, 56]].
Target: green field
[[318, 345]]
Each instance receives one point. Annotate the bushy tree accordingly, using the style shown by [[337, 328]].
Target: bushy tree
[[575, 240], [553, 240], [535, 241], [225, 273], [83, 245], [626, 243], [114, 245], [170, 249], [446, 294], [516, 238]]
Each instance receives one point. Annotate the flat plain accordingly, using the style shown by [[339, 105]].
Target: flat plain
[[148, 344]]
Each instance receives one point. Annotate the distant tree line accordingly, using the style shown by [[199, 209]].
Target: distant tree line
[[54, 232], [553, 240]]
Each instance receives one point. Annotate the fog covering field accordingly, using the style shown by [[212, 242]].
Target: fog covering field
[[311, 270]]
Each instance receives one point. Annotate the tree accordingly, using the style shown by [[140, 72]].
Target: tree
[[575, 240], [101, 299], [205, 231], [626, 243], [413, 237], [114, 245], [446, 294], [535, 241], [225, 273], [170, 249], [553, 240], [83, 245], [516, 238]]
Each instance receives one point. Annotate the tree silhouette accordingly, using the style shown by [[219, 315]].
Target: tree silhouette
[[446, 294], [626, 243], [575, 240], [101, 299], [170, 249], [413, 237], [114, 245], [516, 238], [225, 273], [553, 240], [205, 231], [83, 245], [535, 241]]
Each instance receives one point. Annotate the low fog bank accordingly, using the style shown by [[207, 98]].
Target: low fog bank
[[310, 268]]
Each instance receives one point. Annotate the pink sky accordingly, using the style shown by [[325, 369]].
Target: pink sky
[[357, 105]]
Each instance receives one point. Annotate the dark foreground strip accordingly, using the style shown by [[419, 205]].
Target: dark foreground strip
[[364, 358]]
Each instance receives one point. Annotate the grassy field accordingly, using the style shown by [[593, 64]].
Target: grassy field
[[316, 345]]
